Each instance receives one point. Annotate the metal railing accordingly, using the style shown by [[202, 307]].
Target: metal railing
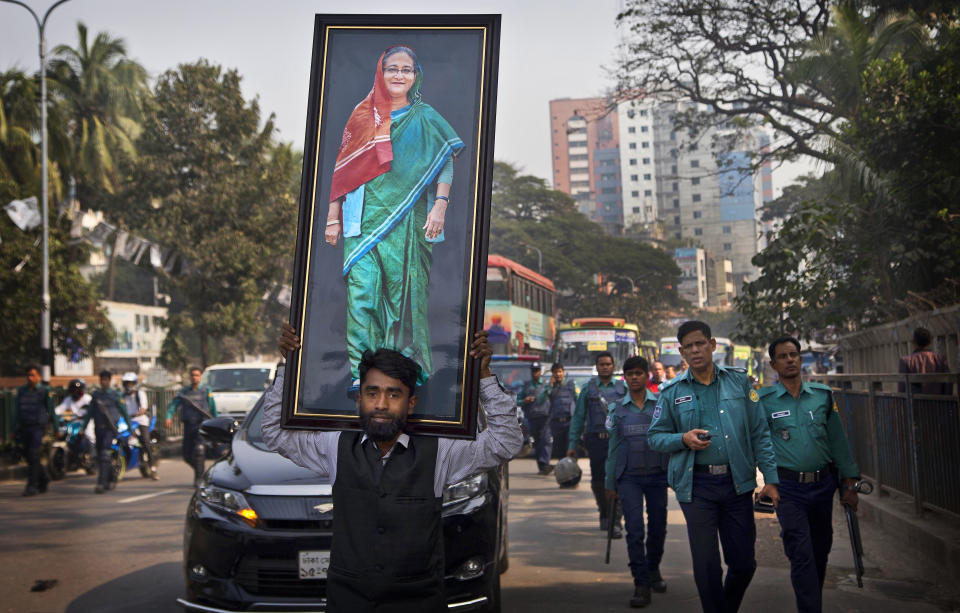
[[907, 441], [157, 400]]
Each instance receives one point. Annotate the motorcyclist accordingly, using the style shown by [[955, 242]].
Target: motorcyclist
[[74, 406], [135, 401]]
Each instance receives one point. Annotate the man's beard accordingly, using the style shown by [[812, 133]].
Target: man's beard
[[380, 431]]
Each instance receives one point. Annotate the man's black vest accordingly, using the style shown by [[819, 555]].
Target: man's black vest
[[194, 405], [598, 401], [105, 410], [33, 406], [635, 454], [387, 552]]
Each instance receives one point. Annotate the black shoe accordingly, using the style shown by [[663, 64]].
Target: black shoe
[[98, 489], [616, 532], [641, 596], [546, 470], [42, 488], [657, 584], [30, 491]]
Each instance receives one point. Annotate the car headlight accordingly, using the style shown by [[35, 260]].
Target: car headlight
[[460, 491], [228, 501]]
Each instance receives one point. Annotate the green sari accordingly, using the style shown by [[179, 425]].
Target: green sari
[[387, 257]]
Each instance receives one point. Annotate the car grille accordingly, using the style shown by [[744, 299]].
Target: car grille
[[276, 576], [292, 512]]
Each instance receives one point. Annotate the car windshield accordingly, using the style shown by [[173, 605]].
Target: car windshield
[[254, 424], [511, 374], [237, 379]]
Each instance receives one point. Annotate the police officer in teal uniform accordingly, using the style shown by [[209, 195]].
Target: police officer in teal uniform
[[536, 410], [562, 393], [196, 404], [710, 421], [32, 412], [810, 447], [590, 419], [106, 410], [635, 472]]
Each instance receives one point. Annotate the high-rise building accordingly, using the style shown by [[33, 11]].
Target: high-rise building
[[586, 158], [630, 169]]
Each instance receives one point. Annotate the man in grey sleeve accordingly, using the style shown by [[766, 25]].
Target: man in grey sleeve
[[387, 550]]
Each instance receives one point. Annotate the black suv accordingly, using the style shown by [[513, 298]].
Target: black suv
[[258, 531]]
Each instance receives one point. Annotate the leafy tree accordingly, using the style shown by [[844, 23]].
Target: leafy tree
[[220, 192], [638, 281], [100, 95], [79, 325]]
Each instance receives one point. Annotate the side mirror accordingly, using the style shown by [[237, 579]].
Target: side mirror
[[219, 429]]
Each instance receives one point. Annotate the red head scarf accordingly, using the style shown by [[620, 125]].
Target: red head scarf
[[365, 149]]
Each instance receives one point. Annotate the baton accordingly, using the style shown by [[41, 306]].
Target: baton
[[611, 511]]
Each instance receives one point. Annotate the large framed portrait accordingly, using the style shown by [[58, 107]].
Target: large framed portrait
[[394, 214]]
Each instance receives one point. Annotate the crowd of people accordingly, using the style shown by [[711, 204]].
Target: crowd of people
[[704, 433], [102, 412]]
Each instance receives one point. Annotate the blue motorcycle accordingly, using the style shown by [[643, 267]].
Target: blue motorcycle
[[71, 451], [127, 450]]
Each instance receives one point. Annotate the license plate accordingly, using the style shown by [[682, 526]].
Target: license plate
[[313, 564]]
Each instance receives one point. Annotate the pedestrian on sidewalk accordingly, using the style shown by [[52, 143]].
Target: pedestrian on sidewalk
[[635, 472], [924, 360], [105, 409], [563, 399], [195, 402], [387, 552], [33, 410], [536, 409], [710, 421], [809, 443], [590, 420]]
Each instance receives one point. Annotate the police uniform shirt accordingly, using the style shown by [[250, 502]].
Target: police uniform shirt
[[807, 432], [708, 397]]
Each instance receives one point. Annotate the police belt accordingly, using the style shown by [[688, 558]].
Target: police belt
[[803, 477], [713, 469], [645, 470], [599, 435]]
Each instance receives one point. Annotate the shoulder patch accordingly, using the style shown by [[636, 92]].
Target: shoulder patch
[[754, 396], [656, 411]]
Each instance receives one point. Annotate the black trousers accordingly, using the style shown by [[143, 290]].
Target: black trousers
[[32, 437], [806, 528], [192, 450], [717, 509], [104, 447]]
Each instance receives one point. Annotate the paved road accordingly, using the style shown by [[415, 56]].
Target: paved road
[[121, 552]]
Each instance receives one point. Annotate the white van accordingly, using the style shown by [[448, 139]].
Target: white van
[[236, 387]]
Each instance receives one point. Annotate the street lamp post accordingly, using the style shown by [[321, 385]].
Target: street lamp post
[[539, 256], [45, 349]]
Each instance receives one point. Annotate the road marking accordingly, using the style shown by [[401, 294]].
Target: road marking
[[145, 496]]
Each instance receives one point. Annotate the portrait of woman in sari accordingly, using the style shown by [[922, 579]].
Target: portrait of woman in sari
[[388, 200]]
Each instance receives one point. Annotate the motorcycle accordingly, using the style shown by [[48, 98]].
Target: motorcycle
[[71, 450], [127, 450]]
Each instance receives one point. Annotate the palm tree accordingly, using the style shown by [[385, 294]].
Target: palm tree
[[100, 93], [20, 164]]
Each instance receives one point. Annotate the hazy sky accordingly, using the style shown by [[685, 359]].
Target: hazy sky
[[548, 49]]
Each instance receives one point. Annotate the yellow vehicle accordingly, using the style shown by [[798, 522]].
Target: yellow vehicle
[[578, 343], [650, 350]]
